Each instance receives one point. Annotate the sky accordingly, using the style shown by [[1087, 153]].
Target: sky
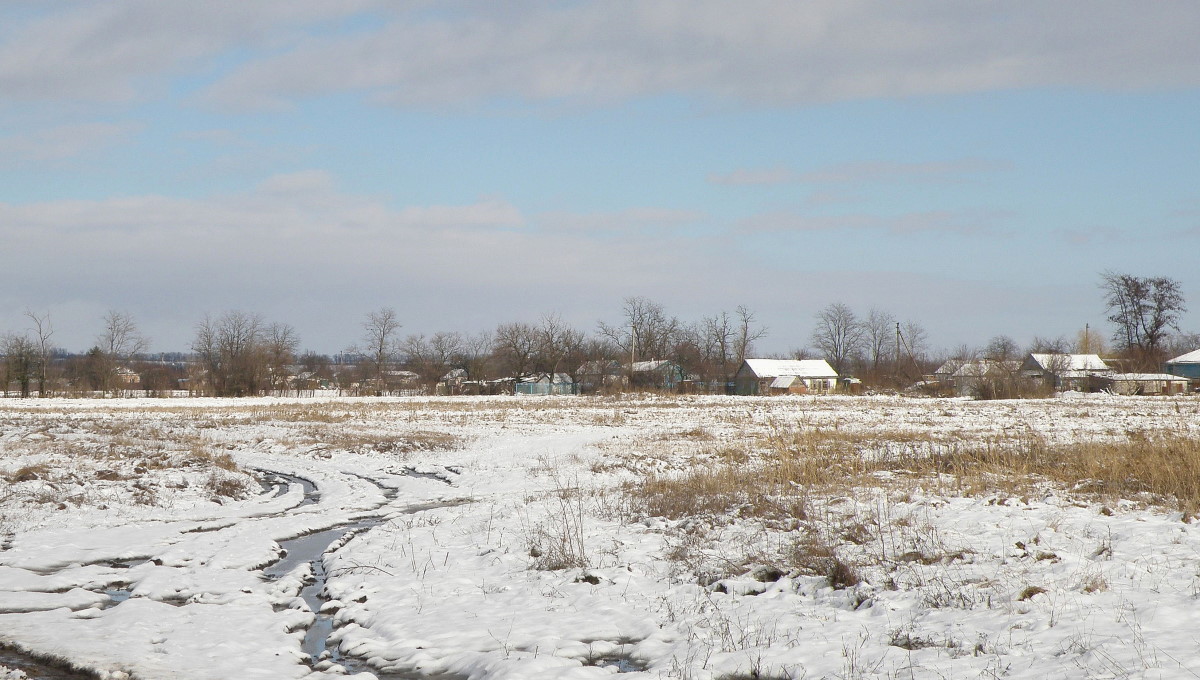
[[973, 166]]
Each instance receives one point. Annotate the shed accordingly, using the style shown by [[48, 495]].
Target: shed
[[1148, 384]]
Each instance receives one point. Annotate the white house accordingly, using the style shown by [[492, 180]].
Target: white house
[[1065, 371], [803, 376]]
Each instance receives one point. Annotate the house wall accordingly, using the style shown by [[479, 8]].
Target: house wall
[[1191, 371]]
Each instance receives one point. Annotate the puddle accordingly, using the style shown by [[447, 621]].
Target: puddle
[[36, 668], [623, 664], [116, 596]]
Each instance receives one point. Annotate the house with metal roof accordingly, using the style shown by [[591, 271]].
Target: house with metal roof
[[1065, 371], [794, 376], [1185, 365]]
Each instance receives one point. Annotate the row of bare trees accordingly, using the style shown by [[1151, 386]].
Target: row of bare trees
[[238, 353], [877, 347], [711, 349]]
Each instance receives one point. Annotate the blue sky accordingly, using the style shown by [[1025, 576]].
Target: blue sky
[[971, 166]]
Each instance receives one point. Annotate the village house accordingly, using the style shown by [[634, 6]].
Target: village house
[[785, 376], [1065, 371], [656, 374], [1185, 366], [546, 383]]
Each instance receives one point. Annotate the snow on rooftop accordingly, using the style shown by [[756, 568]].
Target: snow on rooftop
[[804, 368], [1070, 362], [1192, 357]]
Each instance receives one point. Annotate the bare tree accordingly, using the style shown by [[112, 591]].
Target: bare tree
[[42, 332], [1182, 343], [839, 335], [1043, 345], [914, 343], [433, 357], [476, 350], [1002, 348], [880, 331], [119, 341], [121, 338], [1089, 341], [747, 334], [280, 343], [231, 353], [380, 341], [559, 347], [1144, 310], [647, 332], [516, 344], [723, 341]]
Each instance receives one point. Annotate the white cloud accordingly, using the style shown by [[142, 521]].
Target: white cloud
[[641, 220], [64, 141], [772, 52], [863, 172], [754, 177], [933, 222], [106, 51]]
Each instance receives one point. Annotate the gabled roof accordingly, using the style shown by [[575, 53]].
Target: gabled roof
[[654, 365], [1147, 377], [804, 368], [1189, 358], [979, 368], [601, 367], [455, 374], [558, 378], [1069, 362]]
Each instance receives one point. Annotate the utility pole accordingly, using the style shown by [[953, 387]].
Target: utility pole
[[896, 361]]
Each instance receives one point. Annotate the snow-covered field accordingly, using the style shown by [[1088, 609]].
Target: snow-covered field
[[511, 538]]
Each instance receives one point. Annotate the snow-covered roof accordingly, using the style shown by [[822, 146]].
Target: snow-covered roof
[[1069, 362], [1192, 357], [1147, 377], [804, 368], [653, 365], [784, 382], [559, 378], [979, 368], [950, 366]]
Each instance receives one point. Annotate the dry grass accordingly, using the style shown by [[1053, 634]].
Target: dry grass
[[773, 478]]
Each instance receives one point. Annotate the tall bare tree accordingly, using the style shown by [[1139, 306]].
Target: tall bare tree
[[647, 333], [839, 335], [231, 352], [119, 341], [748, 333], [560, 347], [1144, 310], [43, 330], [280, 343], [516, 344], [879, 329], [476, 351], [380, 343]]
